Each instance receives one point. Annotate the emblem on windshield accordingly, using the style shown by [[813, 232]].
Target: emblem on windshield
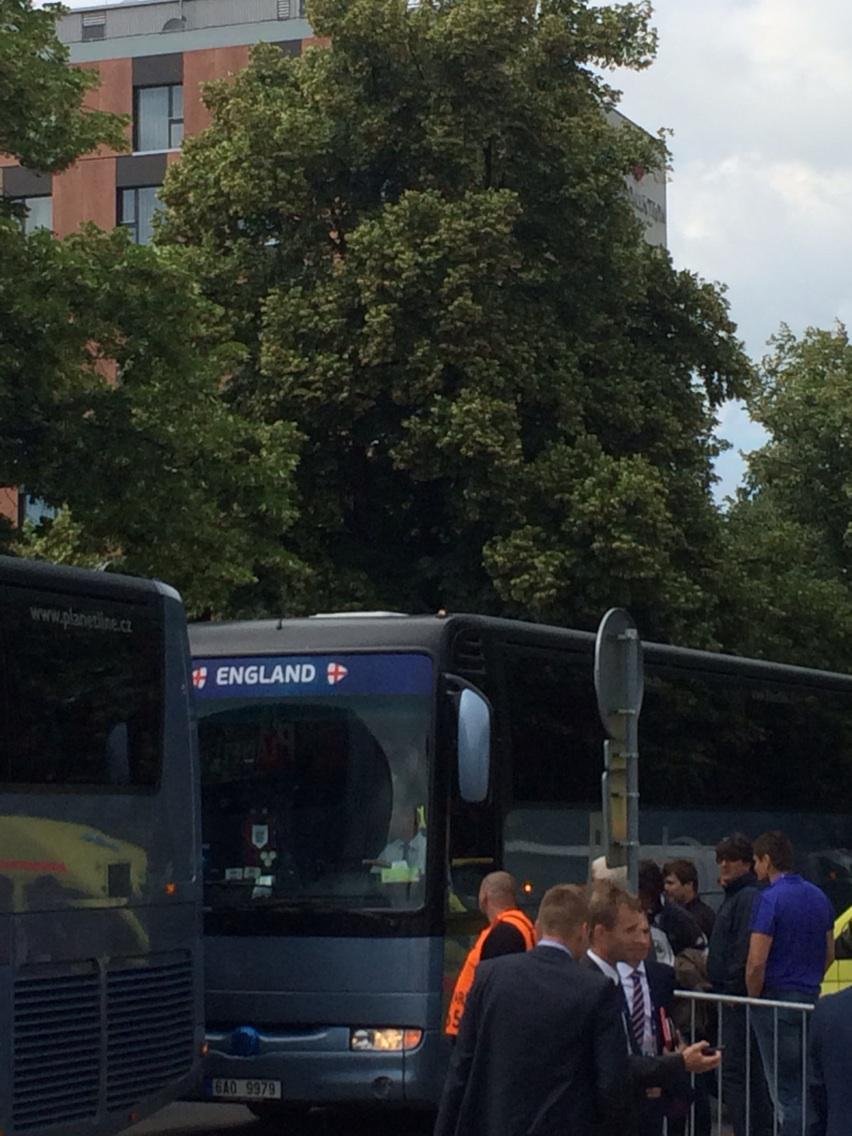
[[199, 677], [335, 673]]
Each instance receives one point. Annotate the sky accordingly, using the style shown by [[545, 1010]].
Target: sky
[[756, 93]]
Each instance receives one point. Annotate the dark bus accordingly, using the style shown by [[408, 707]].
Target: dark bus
[[100, 895], [361, 773]]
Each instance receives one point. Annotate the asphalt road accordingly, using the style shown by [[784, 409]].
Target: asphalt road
[[235, 1120]]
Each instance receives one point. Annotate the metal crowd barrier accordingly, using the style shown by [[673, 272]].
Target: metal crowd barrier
[[766, 1013]]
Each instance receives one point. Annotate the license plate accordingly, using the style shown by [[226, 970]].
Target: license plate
[[243, 1088]]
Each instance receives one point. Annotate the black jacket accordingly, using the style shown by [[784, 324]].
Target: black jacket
[[829, 1083], [540, 1052], [680, 927], [666, 1071], [726, 958]]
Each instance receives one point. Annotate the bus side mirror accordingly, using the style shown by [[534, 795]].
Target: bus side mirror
[[474, 745]]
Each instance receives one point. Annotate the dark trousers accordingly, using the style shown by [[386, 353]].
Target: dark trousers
[[701, 1111], [737, 1044], [651, 1115], [781, 1033]]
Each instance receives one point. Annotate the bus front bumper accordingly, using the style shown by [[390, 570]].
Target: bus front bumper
[[319, 1066]]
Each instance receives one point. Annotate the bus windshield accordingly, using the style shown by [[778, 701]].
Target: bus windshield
[[315, 775]]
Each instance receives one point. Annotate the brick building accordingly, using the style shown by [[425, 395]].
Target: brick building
[[152, 57]]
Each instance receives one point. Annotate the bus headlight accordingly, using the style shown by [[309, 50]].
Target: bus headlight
[[389, 1039]]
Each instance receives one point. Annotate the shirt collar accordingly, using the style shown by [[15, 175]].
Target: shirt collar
[[607, 968], [556, 945], [626, 970]]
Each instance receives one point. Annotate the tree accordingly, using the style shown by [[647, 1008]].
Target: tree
[[42, 118], [160, 476], [789, 532], [113, 371], [422, 239]]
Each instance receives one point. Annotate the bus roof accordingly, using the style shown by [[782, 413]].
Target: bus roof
[[60, 578], [389, 631]]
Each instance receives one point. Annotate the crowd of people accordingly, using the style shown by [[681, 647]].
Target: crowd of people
[[571, 1025]]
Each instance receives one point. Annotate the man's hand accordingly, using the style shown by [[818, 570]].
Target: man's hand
[[696, 1061]]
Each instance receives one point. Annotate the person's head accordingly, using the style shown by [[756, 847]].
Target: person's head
[[600, 870], [637, 946], [650, 886], [498, 892], [773, 855], [735, 857], [403, 824], [618, 926], [680, 880], [563, 915]]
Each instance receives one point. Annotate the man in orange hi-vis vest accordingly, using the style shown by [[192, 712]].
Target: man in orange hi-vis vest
[[508, 932]]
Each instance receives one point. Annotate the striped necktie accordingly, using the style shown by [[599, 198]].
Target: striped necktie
[[637, 1010]]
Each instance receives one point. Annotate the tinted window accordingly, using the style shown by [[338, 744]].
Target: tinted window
[[84, 691], [717, 753]]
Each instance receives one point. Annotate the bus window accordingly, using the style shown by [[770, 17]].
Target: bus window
[[557, 757], [717, 753], [315, 797], [85, 695]]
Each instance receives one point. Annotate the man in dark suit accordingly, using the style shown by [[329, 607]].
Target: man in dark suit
[[541, 1048], [619, 934], [829, 1081], [649, 993]]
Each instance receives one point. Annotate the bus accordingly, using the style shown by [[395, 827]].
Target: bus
[[100, 853], [360, 774]]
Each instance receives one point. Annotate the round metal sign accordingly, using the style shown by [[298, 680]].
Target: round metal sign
[[619, 673]]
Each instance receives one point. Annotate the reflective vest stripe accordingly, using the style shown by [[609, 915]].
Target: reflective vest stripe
[[468, 971]]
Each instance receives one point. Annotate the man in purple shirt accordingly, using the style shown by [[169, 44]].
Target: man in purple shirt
[[790, 949]]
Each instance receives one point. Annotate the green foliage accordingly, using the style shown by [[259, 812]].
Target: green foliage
[[789, 533], [42, 120], [111, 398], [422, 239], [114, 374]]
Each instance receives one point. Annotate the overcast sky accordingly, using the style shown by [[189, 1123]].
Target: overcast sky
[[760, 196], [757, 93]]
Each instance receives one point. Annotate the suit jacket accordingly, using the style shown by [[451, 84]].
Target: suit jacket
[[540, 1052], [666, 1072], [829, 1082], [661, 983], [676, 1088]]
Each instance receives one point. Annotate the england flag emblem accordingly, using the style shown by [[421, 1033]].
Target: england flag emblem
[[199, 677], [335, 673]]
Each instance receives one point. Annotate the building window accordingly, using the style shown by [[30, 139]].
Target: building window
[[158, 121], [39, 213], [136, 209], [94, 26]]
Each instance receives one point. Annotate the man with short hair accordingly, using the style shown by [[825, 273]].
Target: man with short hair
[[680, 881], [726, 963], [541, 1046], [790, 948], [676, 925], [619, 934], [509, 931]]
